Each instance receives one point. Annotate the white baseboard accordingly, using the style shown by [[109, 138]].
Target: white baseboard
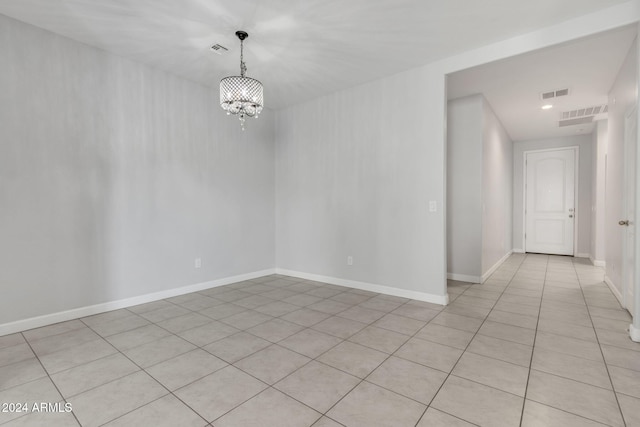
[[613, 288], [381, 289], [634, 333], [62, 316], [518, 251], [582, 255], [597, 262], [464, 278], [490, 271]]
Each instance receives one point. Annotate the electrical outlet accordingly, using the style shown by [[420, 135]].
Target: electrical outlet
[[197, 263], [433, 206], [349, 260]]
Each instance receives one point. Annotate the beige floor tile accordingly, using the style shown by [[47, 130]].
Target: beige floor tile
[[45, 331], [93, 374], [507, 332], [371, 406], [381, 304], [158, 351], [275, 330], [513, 319], [310, 343], [236, 347], [493, 372], [379, 339], [20, 373], [350, 298], [567, 330], [200, 303], [430, 354], [456, 321], [112, 400], [339, 327], [11, 340], [445, 336], [128, 340], [15, 353], [317, 385], [630, 409], [574, 347], [353, 358], [123, 324], [539, 415], [435, 418], [467, 310], [507, 351], [150, 306], [164, 412], [258, 412], [164, 313], [478, 404], [272, 364], [625, 381], [253, 301], [618, 339], [572, 367], [40, 390], [220, 392], [417, 312], [306, 317], [329, 306], [78, 355], [246, 319], [221, 311], [277, 308], [581, 399], [302, 300], [183, 323], [63, 341], [408, 379], [185, 369], [326, 422], [361, 314], [48, 419], [400, 324], [621, 357]]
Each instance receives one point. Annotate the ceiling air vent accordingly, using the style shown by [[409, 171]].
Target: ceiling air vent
[[554, 93], [219, 49], [581, 116]]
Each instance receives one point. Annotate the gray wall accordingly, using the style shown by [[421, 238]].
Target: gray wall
[[622, 97], [354, 176], [479, 189], [598, 162], [465, 123], [115, 176], [497, 190], [583, 210]]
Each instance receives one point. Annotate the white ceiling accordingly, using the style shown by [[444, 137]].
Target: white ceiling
[[299, 49], [588, 67]]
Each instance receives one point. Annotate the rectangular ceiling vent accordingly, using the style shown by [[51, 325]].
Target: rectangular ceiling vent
[[554, 93], [581, 116], [219, 49]]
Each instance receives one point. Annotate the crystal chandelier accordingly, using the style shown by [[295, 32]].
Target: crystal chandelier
[[241, 95]]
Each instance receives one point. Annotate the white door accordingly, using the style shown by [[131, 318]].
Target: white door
[[629, 238], [550, 203]]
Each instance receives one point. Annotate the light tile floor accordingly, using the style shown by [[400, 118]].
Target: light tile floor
[[541, 343]]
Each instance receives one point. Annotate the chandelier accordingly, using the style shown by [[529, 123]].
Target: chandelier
[[241, 95]]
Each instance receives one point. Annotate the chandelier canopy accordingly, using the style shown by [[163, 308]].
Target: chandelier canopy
[[241, 95]]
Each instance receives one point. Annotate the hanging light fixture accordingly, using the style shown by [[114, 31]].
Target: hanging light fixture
[[241, 95]]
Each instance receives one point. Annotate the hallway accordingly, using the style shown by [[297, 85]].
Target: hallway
[[541, 343]]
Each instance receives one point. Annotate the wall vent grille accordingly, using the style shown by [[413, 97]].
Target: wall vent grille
[[219, 49], [554, 94]]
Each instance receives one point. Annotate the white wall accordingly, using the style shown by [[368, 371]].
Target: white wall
[[354, 174], [465, 126], [497, 191], [598, 165], [583, 209], [115, 176], [622, 97]]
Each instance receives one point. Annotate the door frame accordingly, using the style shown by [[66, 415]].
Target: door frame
[[576, 217], [625, 210]]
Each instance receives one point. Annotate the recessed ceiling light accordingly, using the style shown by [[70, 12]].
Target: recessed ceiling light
[[547, 107]]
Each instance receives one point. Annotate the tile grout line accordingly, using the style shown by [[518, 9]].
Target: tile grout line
[[606, 365], [449, 374], [533, 345]]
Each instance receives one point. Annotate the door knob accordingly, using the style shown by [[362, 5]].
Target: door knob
[[623, 222], [570, 216]]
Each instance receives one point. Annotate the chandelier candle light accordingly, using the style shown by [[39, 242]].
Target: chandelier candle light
[[241, 95]]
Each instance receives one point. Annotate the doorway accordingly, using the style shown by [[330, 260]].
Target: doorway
[[550, 201]]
